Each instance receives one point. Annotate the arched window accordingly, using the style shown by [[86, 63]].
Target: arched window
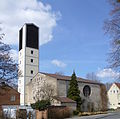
[[86, 90]]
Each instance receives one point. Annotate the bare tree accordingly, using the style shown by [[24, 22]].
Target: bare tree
[[8, 67], [45, 92], [59, 73], [112, 27], [108, 85], [92, 76]]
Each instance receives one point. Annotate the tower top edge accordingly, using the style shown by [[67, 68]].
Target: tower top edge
[[29, 24]]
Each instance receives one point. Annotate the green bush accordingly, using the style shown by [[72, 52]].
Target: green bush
[[41, 105], [76, 112]]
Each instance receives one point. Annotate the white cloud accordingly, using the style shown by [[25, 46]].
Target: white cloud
[[58, 63], [108, 73], [14, 13]]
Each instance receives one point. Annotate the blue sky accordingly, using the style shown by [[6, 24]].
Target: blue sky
[[71, 34], [79, 40]]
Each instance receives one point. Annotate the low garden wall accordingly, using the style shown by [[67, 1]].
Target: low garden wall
[[26, 112]]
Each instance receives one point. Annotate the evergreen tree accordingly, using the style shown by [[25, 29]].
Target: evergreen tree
[[73, 91]]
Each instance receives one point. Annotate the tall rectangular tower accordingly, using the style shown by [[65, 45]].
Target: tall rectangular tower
[[28, 58]]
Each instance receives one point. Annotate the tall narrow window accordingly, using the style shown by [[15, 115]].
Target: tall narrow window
[[32, 60], [31, 51], [12, 98], [31, 71]]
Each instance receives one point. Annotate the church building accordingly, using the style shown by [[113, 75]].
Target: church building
[[31, 79]]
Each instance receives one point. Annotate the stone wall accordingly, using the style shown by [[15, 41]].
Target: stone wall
[[62, 89], [94, 97]]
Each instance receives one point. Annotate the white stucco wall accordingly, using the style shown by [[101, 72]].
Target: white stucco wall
[[114, 97], [25, 67], [36, 84]]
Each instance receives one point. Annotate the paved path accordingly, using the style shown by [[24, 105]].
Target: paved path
[[115, 115]]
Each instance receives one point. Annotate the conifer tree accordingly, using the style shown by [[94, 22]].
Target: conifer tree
[[73, 91]]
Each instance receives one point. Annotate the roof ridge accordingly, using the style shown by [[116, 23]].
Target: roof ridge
[[58, 76], [117, 84]]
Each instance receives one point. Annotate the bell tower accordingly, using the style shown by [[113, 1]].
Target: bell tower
[[28, 58]]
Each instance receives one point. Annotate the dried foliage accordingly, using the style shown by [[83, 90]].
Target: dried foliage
[[59, 113], [21, 114], [104, 97]]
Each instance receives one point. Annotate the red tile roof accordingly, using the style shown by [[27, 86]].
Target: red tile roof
[[118, 85], [64, 99], [62, 77], [6, 86]]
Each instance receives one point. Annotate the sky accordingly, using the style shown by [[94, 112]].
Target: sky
[[71, 34]]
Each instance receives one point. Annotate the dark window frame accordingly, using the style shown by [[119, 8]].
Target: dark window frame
[[32, 36], [13, 98], [31, 51], [31, 60], [31, 71], [86, 90]]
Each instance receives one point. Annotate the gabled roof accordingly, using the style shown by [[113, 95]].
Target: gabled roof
[[4, 85], [64, 99], [118, 85], [62, 77]]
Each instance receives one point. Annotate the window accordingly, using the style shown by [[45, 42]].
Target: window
[[12, 98], [20, 62], [31, 71], [31, 51], [114, 91], [117, 91], [86, 91], [32, 60]]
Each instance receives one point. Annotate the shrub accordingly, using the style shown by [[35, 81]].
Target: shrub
[[21, 113], [75, 112], [41, 105]]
